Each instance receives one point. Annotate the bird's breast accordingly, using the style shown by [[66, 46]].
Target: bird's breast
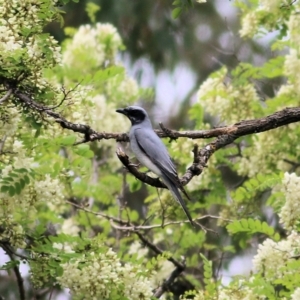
[[143, 158]]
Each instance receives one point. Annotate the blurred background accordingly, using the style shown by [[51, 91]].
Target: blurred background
[[171, 56]]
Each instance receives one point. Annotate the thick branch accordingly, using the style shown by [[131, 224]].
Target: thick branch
[[225, 135], [245, 127], [19, 278], [166, 284]]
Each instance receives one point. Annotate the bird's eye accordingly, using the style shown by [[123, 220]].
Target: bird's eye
[[138, 115]]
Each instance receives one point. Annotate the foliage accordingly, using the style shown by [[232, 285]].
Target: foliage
[[79, 221]]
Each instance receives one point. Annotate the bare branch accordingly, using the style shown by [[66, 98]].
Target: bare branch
[[242, 128], [224, 135], [125, 226]]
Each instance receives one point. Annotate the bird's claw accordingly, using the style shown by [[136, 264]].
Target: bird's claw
[[134, 165]]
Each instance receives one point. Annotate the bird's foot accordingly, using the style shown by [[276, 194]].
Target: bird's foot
[[134, 165]]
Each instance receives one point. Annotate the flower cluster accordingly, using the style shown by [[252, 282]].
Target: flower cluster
[[122, 89], [70, 227], [23, 44], [39, 270], [290, 211], [229, 103], [255, 159], [293, 26], [267, 150], [101, 42], [12, 233], [292, 60], [49, 191], [101, 276], [242, 292], [272, 257], [249, 24], [266, 14], [26, 194], [296, 294], [9, 119], [271, 6]]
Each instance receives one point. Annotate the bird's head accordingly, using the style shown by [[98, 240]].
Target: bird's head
[[135, 114]]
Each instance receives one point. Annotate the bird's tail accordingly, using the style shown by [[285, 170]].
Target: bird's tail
[[176, 194]]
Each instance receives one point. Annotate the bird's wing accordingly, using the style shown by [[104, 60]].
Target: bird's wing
[[156, 151], [152, 146]]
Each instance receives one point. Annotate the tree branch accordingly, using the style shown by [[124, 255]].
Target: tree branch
[[245, 127], [224, 135], [167, 283], [19, 278], [180, 267]]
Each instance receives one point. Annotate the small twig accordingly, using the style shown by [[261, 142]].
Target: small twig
[[98, 213], [180, 267], [130, 227], [6, 96]]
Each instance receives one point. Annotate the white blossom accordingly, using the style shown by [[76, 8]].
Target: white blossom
[[70, 227], [272, 257], [272, 6], [49, 190], [102, 275], [101, 42], [293, 26], [9, 119], [229, 103], [290, 211], [250, 23], [296, 294]]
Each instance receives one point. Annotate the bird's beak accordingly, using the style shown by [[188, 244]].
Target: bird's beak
[[122, 111]]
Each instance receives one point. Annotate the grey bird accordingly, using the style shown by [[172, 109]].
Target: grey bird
[[152, 153]]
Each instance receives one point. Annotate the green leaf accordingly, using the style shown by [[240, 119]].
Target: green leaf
[[176, 3], [10, 265], [21, 170], [135, 186], [68, 140], [91, 10], [251, 226], [27, 179], [18, 188], [84, 150], [176, 12], [4, 188], [22, 183], [11, 191]]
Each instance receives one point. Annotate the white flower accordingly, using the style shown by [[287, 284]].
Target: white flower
[[271, 6], [70, 227], [225, 100], [290, 211], [293, 26], [250, 23], [49, 191], [296, 294], [9, 119], [272, 257], [100, 42], [102, 274]]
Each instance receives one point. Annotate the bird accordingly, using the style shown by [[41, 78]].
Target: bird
[[152, 153]]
